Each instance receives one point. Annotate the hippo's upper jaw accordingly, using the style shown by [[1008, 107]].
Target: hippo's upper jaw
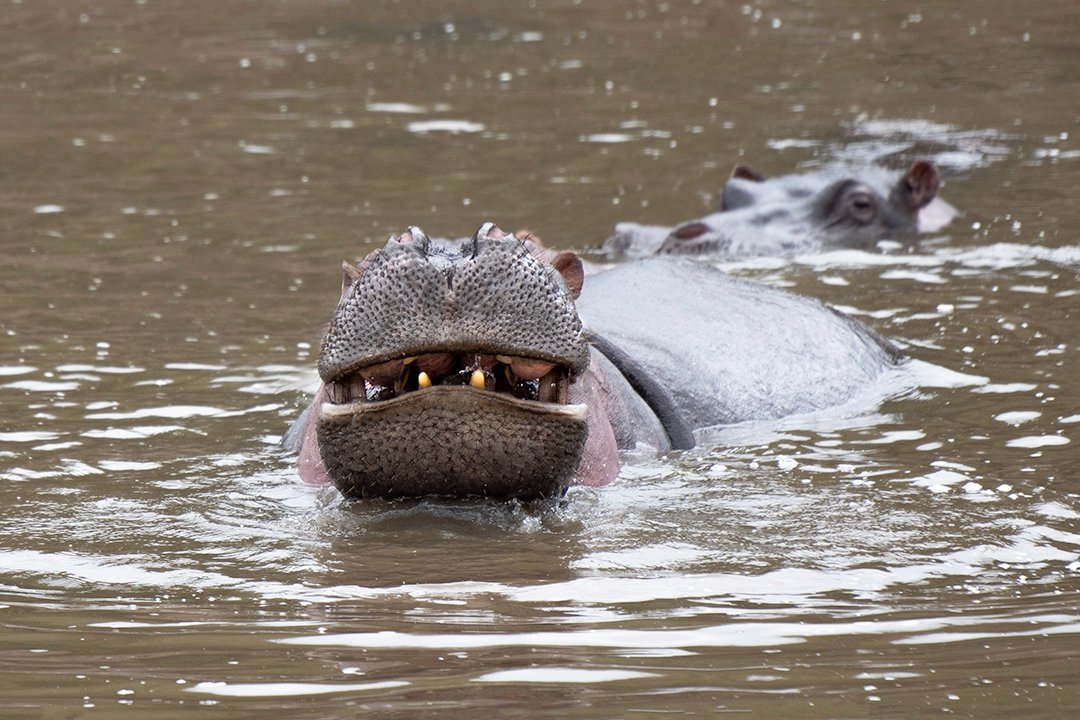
[[446, 369]]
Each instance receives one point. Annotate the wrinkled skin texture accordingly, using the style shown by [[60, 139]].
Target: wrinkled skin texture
[[799, 213], [492, 368]]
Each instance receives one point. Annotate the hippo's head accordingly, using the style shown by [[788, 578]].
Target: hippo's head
[[797, 211], [446, 369]]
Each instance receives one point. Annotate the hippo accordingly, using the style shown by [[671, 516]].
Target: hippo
[[492, 367], [759, 216]]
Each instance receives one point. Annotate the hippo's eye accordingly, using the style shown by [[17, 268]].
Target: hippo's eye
[[862, 207]]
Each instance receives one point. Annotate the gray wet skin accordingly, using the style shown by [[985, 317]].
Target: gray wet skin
[[491, 367], [799, 213]]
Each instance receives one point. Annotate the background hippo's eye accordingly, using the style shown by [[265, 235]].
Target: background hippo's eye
[[862, 206]]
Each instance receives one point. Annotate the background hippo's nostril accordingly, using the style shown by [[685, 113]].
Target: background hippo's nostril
[[690, 231], [746, 172]]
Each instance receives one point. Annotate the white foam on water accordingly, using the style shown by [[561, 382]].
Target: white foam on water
[[453, 127], [607, 138], [940, 480], [50, 447], [1072, 628], [1005, 388], [105, 369], [140, 432], [124, 465], [1054, 509], [926, 374], [1034, 289], [27, 436], [786, 143], [923, 277], [736, 634], [893, 436], [42, 386], [252, 149], [917, 127], [288, 689], [655, 556], [396, 107], [173, 411], [131, 624], [193, 366], [561, 675], [1017, 417], [1037, 441], [924, 267]]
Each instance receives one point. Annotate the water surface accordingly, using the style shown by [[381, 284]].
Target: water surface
[[179, 186]]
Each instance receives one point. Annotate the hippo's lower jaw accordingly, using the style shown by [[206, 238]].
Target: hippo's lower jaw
[[452, 424]]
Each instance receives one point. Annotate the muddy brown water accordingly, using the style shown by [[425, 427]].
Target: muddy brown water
[[178, 185]]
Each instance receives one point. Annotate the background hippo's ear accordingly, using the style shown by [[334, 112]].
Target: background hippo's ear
[[919, 185], [745, 172], [569, 266]]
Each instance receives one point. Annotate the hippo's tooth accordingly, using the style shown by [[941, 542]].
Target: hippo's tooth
[[409, 360], [477, 379], [423, 380]]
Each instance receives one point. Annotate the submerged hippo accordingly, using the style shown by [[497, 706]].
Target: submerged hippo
[[799, 213], [492, 367]]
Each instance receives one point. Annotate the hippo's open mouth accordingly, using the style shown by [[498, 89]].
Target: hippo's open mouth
[[522, 378], [453, 423]]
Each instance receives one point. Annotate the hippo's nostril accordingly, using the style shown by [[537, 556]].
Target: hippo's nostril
[[487, 230], [690, 231], [413, 235]]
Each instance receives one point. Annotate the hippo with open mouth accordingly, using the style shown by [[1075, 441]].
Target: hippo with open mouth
[[491, 367], [759, 216]]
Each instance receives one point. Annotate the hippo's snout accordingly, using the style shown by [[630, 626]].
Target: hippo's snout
[[447, 366]]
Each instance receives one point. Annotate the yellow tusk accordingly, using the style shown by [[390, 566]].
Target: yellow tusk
[[477, 379], [423, 380]]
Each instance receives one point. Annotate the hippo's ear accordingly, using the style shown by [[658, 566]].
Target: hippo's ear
[[569, 266], [349, 275], [919, 185], [746, 172]]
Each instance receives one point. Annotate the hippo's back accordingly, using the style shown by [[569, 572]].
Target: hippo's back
[[729, 350]]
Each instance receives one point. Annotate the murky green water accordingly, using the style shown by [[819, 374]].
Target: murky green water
[[178, 185]]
